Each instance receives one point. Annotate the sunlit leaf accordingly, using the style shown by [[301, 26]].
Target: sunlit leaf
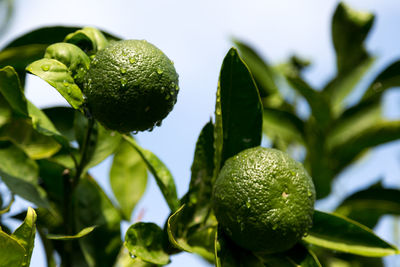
[[82, 233], [25, 235], [368, 205], [58, 75], [128, 177], [89, 39], [145, 241], [71, 56], [160, 172], [11, 251], [342, 234]]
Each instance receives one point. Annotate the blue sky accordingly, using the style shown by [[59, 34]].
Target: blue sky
[[196, 35]]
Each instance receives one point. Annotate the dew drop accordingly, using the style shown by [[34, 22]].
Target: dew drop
[[176, 87], [45, 67], [218, 111], [309, 193], [162, 89], [132, 60], [248, 204], [160, 71], [173, 85], [167, 97], [123, 70], [65, 83], [123, 81]]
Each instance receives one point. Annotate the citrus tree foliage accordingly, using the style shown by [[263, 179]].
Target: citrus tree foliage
[[47, 154]]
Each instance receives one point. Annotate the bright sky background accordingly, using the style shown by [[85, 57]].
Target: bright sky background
[[196, 35]]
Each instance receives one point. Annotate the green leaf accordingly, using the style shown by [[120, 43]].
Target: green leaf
[[375, 135], [11, 251], [368, 205], [5, 111], [25, 235], [20, 174], [297, 256], [349, 30], [160, 172], [82, 233], [34, 144], [89, 39], [128, 177], [125, 260], [12, 92], [283, 125], [71, 56], [262, 72], [63, 120], [388, 78], [58, 75], [145, 241], [181, 234], [319, 105], [218, 135], [11, 89], [342, 234], [227, 254], [8, 207], [104, 143], [240, 106], [353, 122], [93, 207], [342, 85]]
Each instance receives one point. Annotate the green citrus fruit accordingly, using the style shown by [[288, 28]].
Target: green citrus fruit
[[131, 85], [264, 200]]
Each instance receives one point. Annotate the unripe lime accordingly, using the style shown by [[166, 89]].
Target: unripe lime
[[264, 200], [131, 85]]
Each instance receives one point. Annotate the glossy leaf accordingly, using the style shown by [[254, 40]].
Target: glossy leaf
[[240, 106], [128, 178], [93, 207], [25, 235], [349, 30], [82, 233], [71, 56], [261, 71], [58, 75], [104, 143], [388, 78], [34, 144], [218, 135], [20, 174], [12, 91], [125, 260], [378, 134], [89, 39], [342, 234], [160, 172], [181, 235], [5, 111], [6, 208], [368, 205], [11, 251], [227, 254], [145, 241]]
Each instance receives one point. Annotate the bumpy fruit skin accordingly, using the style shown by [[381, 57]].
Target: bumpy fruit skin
[[264, 200], [131, 85]]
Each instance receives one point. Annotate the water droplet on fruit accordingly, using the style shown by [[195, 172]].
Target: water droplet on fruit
[[309, 193], [132, 60], [160, 71], [248, 204], [65, 83], [123, 81], [274, 227], [151, 129], [173, 85], [176, 87], [162, 89], [218, 111], [45, 67], [69, 91], [167, 97], [123, 70], [158, 123], [172, 62]]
